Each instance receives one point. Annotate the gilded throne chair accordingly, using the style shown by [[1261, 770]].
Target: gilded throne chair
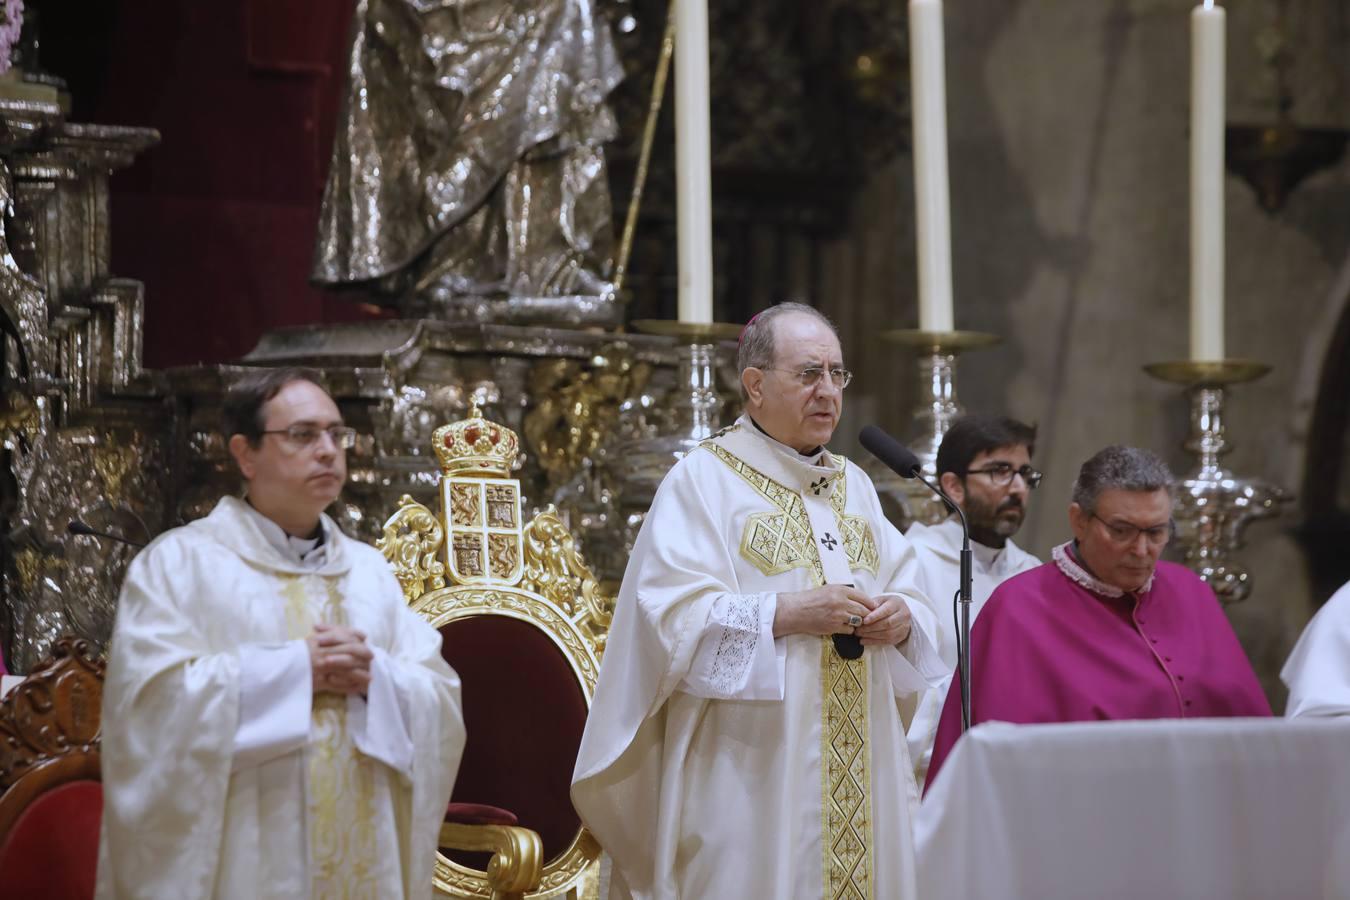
[[523, 623]]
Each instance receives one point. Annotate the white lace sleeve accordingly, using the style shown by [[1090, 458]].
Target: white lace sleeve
[[737, 657]]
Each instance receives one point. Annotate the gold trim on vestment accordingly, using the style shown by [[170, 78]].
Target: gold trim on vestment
[[769, 542], [846, 773], [777, 542], [859, 544], [344, 849]]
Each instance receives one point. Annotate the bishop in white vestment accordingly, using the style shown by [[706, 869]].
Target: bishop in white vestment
[[724, 758], [234, 764], [1318, 670]]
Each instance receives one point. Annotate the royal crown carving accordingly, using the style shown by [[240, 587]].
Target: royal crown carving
[[478, 536], [477, 555], [475, 446]]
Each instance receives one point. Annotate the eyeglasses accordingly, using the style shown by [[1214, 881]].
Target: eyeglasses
[[304, 437], [1125, 534], [811, 375], [1002, 474]]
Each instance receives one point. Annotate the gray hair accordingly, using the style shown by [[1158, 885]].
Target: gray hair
[[1121, 468], [756, 350]]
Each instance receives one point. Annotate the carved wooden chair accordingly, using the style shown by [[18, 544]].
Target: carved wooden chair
[[524, 624], [51, 792]]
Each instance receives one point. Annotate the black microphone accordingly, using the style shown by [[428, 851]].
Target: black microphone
[[901, 460], [76, 526], [897, 457]]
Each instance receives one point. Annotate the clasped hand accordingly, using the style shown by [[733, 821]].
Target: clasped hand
[[339, 659], [831, 609]]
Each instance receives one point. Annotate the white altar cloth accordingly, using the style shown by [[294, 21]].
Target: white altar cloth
[[1208, 808]]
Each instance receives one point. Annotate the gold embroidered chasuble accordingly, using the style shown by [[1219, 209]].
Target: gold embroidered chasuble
[[822, 770], [779, 542]]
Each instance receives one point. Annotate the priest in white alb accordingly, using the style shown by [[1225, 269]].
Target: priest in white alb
[[984, 465], [746, 737], [1317, 672], [276, 722]]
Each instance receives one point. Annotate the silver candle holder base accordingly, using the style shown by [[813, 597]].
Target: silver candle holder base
[[695, 408], [934, 412], [1213, 506]]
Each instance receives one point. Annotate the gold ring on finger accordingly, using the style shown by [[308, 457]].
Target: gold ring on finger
[[854, 621]]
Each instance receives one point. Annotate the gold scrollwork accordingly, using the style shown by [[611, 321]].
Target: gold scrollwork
[[32, 565], [412, 538], [554, 568], [112, 461], [516, 859], [18, 415], [578, 407]]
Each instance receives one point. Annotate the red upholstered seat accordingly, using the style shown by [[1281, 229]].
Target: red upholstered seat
[[478, 814], [51, 853], [524, 711]]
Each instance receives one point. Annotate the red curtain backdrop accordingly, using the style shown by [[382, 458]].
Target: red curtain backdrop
[[218, 220]]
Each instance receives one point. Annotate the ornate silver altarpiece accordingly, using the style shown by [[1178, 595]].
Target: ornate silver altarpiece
[[87, 434]]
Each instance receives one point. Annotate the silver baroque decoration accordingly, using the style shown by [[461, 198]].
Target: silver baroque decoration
[[82, 428], [87, 433], [498, 207]]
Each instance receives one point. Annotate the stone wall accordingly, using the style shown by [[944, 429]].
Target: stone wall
[[1069, 151]]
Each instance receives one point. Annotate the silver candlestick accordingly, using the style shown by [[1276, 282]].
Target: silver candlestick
[[1214, 507], [695, 409], [934, 412]]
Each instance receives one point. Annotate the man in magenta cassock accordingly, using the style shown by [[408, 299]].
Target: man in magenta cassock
[[1104, 630]]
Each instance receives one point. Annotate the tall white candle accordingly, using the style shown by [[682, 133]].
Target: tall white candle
[[693, 161], [1207, 125], [932, 204]]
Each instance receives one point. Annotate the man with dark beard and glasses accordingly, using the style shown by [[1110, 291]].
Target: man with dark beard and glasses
[[984, 465]]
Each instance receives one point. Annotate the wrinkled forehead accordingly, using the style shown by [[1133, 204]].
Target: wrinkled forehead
[[801, 341]]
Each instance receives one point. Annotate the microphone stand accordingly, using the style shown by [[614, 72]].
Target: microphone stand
[[964, 600], [76, 526]]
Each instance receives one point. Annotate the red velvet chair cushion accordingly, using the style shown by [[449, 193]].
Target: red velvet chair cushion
[[479, 814], [524, 712], [52, 850]]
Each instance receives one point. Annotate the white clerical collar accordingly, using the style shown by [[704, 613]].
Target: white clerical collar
[[817, 474], [1077, 573], [987, 557], [308, 552]]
